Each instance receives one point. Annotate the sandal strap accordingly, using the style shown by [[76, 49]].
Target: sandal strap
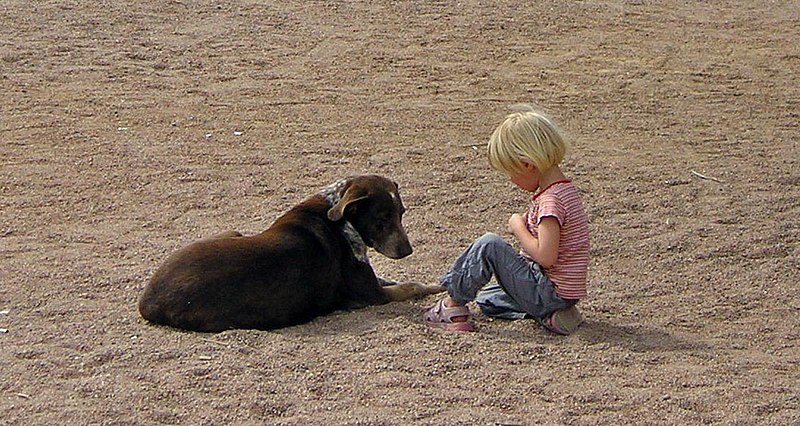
[[441, 313]]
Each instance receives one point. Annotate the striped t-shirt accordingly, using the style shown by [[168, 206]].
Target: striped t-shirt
[[562, 201]]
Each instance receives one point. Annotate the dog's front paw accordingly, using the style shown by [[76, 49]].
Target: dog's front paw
[[425, 289], [407, 290], [434, 289]]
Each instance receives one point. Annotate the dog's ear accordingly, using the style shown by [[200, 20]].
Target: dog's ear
[[350, 196]]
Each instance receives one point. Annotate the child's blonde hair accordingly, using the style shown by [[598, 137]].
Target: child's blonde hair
[[526, 136]]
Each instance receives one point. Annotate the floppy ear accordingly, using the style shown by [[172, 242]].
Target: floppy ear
[[336, 212]]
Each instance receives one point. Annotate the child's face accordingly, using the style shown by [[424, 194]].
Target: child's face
[[528, 180]]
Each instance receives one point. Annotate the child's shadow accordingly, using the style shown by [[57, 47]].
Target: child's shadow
[[638, 338]]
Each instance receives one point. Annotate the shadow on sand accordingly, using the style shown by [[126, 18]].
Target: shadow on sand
[[639, 338]]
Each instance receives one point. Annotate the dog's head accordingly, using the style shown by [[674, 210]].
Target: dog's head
[[373, 206]]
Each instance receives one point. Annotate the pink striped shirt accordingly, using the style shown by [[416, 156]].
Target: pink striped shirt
[[562, 201]]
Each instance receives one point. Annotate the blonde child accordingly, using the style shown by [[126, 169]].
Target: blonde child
[[547, 277]]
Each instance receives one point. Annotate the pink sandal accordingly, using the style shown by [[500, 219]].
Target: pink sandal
[[441, 316]]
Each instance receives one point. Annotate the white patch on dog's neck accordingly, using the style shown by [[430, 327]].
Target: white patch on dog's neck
[[333, 194]]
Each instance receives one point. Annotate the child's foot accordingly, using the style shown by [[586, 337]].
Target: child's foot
[[564, 322], [449, 318]]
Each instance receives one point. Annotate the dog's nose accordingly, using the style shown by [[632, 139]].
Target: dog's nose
[[396, 251], [405, 251]]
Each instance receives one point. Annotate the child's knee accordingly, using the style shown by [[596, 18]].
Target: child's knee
[[490, 242], [490, 239]]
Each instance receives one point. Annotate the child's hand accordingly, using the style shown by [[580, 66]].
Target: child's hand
[[517, 223]]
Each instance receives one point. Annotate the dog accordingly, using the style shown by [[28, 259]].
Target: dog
[[310, 262]]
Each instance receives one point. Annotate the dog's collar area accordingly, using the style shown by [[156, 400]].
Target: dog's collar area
[[333, 194], [356, 242]]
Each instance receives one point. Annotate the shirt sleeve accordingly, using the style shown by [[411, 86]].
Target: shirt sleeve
[[551, 206]]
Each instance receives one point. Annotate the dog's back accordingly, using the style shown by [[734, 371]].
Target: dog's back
[[283, 276]]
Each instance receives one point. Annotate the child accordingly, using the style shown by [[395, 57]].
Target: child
[[547, 277]]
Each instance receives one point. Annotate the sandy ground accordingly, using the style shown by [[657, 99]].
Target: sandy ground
[[128, 129]]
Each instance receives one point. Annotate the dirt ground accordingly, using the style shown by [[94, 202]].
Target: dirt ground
[[128, 129]]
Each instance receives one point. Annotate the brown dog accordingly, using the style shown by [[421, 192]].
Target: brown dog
[[310, 262]]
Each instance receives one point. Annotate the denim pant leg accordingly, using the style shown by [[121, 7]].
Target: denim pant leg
[[520, 279], [495, 302]]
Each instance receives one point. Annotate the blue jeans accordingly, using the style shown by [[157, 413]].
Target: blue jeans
[[522, 288]]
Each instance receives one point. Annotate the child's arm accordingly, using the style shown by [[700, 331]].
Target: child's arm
[[544, 250]]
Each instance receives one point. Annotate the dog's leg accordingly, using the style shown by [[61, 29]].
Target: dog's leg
[[407, 290], [385, 282]]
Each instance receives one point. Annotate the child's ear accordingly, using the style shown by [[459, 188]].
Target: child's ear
[[528, 166]]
